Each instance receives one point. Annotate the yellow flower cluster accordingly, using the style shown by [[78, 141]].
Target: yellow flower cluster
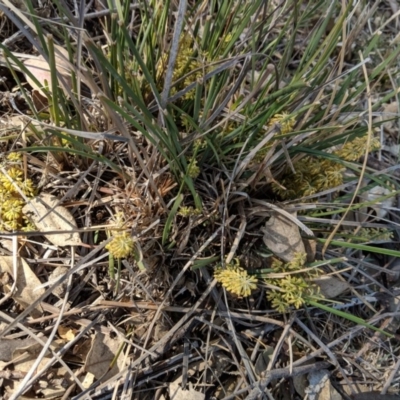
[[193, 170], [121, 245], [369, 234], [14, 157], [13, 188], [313, 175], [294, 288], [235, 279], [285, 123], [188, 211], [316, 174], [352, 151], [186, 62]]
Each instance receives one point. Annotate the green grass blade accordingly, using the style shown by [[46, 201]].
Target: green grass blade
[[347, 316]]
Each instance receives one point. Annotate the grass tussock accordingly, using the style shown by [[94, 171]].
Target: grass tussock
[[172, 132]]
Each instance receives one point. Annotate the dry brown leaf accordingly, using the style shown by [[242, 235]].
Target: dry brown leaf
[[26, 291], [25, 356], [48, 216], [331, 287], [282, 237], [381, 208], [40, 69], [20, 123], [7, 244], [17, 121], [44, 389], [8, 346], [103, 350], [82, 349], [391, 108], [263, 360], [389, 111], [39, 101], [66, 333], [55, 275], [177, 393]]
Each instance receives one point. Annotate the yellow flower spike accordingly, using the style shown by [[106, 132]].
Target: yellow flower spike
[[188, 211], [200, 144], [277, 264], [4, 195], [14, 157], [298, 302], [313, 175], [10, 225], [186, 62], [193, 169], [10, 186], [377, 233], [13, 177], [285, 123], [119, 219], [13, 189], [308, 189], [27, 187], [297, 262], [121, 246], [352, 151], [335, 178], [12, 210], [28, 225], [323, 182], [235, 279], [15, 173], [294, 288]]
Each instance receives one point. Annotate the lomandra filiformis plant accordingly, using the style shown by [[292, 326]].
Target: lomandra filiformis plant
[[289, 285], [313, 175], [236, 279], [295, 284], [15, 188]]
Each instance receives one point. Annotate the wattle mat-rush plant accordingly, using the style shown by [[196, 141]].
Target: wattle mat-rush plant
[[179, 130]]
